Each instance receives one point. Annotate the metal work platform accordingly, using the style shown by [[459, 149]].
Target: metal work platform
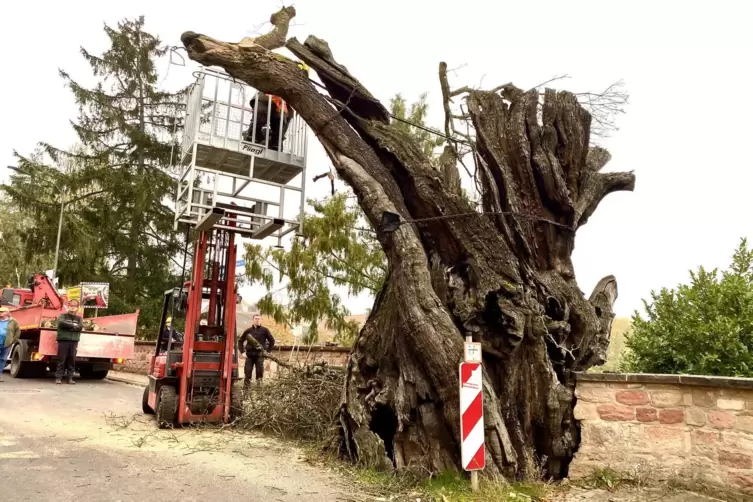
[[242, 151]]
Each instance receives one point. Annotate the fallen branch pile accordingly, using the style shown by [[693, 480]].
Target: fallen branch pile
[[299, 403]]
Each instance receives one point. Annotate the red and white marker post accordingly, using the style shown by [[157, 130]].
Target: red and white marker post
[[472, 449]]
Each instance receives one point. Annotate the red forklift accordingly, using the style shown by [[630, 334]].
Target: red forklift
[[197, 380]]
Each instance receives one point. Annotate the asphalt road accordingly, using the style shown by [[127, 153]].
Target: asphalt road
[[92, 442]]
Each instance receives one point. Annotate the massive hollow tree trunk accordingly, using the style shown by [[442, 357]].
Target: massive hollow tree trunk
[[504, 277]]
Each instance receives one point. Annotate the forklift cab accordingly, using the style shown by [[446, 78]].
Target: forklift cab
[[174, 314], [169, 351]]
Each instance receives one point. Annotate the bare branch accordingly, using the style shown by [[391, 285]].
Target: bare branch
[[605, 106], [276, 38], [329, 174], [553, 79], [596, 186]]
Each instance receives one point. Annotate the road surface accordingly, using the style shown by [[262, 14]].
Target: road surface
[[92, 442]]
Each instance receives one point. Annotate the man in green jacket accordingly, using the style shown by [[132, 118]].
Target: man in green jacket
[[70, 325], [10, 332]]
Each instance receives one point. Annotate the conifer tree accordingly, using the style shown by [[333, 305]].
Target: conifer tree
[[126, 127]]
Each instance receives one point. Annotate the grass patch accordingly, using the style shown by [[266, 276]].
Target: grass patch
[[621, 327], [604, 479], [447, 487], [611, 480]]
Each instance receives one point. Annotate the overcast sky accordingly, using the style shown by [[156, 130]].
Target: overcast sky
[[684, 133]]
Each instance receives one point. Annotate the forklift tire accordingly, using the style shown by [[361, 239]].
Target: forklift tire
[[145, 402], [167, 407], [236, 402]]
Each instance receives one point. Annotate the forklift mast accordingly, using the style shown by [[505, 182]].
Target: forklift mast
[[213, 279], [224, 165]]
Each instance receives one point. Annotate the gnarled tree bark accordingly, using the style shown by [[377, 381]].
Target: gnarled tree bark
[[505, 276]]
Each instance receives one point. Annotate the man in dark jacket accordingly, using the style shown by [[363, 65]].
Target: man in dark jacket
[[280, 113], [255, 338], [70, 326], [168, 332]]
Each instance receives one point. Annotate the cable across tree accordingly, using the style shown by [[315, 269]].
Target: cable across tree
[[503, 274]]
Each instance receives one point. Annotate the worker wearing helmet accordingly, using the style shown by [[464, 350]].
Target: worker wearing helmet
[[277, 125], [70, 326], [9, 334]]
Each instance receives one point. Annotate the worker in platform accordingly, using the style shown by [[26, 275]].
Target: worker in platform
[[9, 334], [252, 341], [280, 113], [70, 326]]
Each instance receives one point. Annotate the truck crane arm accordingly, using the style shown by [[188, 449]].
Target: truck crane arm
[[42, 289]]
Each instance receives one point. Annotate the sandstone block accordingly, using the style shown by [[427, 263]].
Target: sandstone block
[[646, 414], [743, 394], [595, 395], [730, 404], [585, 411], [666, 399], [705, 471], [744, 424], [695, 416], [615, 412], [734, 459], [671, 416], [704, 444], [742, 480], [631, 397], [670, 438], [704, 451], [597, 434], [664, 386], [591, 385], [721, 419], [625, 385], [704, 397], [737, 441]]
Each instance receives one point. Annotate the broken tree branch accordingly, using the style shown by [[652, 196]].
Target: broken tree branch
[[276, 38]]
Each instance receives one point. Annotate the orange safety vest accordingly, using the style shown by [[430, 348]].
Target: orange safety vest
[[280, 105]]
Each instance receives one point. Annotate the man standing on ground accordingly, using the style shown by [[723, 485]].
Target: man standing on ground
[[10, 332], [255, 338], [70, 325]]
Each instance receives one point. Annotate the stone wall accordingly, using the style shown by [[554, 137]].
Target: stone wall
[[334, 356], [693, 429]]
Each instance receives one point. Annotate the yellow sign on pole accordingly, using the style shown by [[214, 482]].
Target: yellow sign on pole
[[73, 293]]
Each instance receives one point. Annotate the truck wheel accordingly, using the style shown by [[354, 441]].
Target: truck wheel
[[145, 402], [90, 374], [236, 402], [167, 407], [19, 368]]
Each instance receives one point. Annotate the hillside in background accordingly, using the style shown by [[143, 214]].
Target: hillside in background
[[283, 334], [620, 329]]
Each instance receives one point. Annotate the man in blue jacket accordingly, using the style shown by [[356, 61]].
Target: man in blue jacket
[[70, 325], [9, 334]]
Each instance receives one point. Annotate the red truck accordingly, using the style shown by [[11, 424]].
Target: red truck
[[104, 341]]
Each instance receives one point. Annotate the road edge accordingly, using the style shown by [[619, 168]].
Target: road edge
[[126, 381]]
